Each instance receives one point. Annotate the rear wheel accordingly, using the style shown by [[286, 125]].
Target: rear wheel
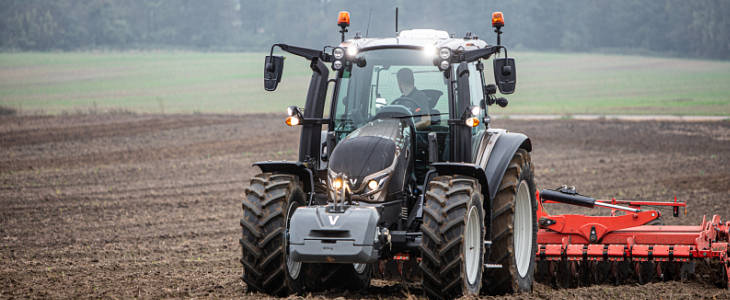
[[453, 237], [268, 205], [514, 229]]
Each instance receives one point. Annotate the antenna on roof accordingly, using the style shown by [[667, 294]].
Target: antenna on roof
[[396, 20], [367, 30]]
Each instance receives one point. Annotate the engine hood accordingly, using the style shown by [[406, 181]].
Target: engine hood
[[370, 149]]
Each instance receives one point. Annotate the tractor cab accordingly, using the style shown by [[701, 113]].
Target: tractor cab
[[401, 78]]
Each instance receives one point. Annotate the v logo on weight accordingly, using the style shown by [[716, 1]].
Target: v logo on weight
[[333, 219]]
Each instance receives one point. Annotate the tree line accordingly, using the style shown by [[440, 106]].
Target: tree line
[[697, 28]]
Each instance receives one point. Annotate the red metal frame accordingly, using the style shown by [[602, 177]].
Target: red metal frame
[[627, 237]]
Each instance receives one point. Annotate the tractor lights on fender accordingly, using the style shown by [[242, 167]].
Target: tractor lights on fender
[[337, 65], [497, 19]]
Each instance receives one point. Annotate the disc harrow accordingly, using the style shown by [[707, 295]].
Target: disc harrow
[[629, 245]]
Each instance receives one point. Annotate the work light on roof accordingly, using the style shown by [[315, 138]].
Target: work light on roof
[[444, 65], [445, 53], [429, 51], [338, 53], [352, 51]]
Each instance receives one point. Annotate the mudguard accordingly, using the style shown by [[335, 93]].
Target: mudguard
[[466, 169], [293, 168], [319, 236], [500, 156]]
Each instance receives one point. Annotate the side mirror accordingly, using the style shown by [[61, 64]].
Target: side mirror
[[273, 67], [505, 75]]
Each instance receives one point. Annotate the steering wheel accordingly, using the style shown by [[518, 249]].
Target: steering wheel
[[411, 104]]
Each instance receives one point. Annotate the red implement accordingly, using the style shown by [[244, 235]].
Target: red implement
[[582, 246]]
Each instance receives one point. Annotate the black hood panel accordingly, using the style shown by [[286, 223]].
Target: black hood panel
[[370, 149], [361, 156]]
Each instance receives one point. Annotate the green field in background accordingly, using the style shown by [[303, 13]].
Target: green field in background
[[190, 82]]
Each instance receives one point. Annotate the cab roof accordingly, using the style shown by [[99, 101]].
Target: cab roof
[[419, 38]]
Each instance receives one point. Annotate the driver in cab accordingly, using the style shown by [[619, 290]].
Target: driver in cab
[[414, 99]]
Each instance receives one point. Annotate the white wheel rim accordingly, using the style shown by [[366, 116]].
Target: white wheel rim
[[293, 267], [359, 268], [472, 245], [523, 229]]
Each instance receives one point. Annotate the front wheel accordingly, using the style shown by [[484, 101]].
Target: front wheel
[[268, 205], [452, 245], [514, 229]]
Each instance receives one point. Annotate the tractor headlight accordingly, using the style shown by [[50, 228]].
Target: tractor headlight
[[337, 65], [445, 53], [373, 185], [337, 184], [377, 183], [338, 53]]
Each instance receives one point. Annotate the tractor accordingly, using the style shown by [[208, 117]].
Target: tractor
[[406, 171]]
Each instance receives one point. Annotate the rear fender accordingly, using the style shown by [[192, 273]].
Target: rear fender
[[293, 168]]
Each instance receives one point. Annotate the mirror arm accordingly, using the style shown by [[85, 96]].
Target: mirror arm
[[483, 53], [307, 53]]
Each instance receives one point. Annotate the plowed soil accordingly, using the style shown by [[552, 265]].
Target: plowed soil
[[121, 206]]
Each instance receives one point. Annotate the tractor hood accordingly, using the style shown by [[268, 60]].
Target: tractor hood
[[371, 152]]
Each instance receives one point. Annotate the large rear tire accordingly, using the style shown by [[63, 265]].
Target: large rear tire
[[514, 229], [269, 202], [452, 245]]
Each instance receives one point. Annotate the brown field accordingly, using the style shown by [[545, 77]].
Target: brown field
[[122, 206]]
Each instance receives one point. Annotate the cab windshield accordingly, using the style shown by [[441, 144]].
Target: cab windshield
[[385, 81]]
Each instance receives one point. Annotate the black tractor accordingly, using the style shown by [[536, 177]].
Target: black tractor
[[407, 173]]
